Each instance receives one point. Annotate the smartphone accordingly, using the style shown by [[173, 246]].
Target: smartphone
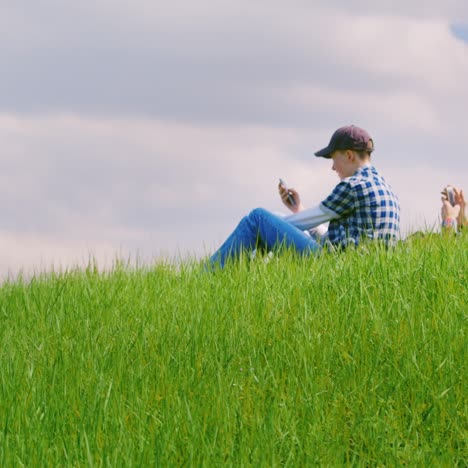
[[291, 200], [450, 194]]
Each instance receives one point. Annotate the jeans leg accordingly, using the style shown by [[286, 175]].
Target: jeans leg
[[266, 229]]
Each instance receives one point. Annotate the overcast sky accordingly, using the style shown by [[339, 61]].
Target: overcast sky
[[143, 128]]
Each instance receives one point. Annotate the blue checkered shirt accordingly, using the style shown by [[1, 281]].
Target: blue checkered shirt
[[366, 207]]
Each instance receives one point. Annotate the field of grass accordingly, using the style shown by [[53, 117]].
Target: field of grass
[[356, 358]]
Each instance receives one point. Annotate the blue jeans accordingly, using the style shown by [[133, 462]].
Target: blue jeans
[[262, 229]]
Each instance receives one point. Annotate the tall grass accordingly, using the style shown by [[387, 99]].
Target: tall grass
[[356, 358]]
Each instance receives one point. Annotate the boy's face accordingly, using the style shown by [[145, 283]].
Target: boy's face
[[343, 163]]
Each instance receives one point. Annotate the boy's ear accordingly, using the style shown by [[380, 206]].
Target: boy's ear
[[350, 155]]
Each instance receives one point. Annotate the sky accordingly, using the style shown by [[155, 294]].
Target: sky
[[144, 130]]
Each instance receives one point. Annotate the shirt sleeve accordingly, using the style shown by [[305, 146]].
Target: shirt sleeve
[[342, 200], [312, 217]]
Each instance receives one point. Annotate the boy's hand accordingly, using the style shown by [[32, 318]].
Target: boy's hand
[[449, 211], [460, 202], [285, 193]]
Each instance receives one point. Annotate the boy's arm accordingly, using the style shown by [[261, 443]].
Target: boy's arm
[[336, 205], [311, 217], [460, 200]]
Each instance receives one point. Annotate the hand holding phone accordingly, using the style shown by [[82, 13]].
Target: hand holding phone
[[291, 200], [450, 194]]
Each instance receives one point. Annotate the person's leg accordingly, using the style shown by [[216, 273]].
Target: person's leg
[[260, 227]]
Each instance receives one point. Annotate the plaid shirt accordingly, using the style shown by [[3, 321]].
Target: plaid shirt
[[366, 207]]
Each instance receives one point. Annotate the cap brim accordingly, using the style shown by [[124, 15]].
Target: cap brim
[[324, 153]]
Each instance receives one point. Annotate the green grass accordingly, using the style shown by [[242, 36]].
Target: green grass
[[356, 358]]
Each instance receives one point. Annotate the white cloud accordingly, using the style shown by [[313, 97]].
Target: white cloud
[[217, 61]]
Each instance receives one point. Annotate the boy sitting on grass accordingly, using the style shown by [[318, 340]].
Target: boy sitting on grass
[[361, 207]]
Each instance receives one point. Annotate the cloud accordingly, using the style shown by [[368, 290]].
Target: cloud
[[220, 62]]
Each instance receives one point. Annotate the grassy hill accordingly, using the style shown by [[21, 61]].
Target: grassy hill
[[356, 358]]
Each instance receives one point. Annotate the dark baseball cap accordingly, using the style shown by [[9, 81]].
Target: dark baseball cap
[[347, 138]]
